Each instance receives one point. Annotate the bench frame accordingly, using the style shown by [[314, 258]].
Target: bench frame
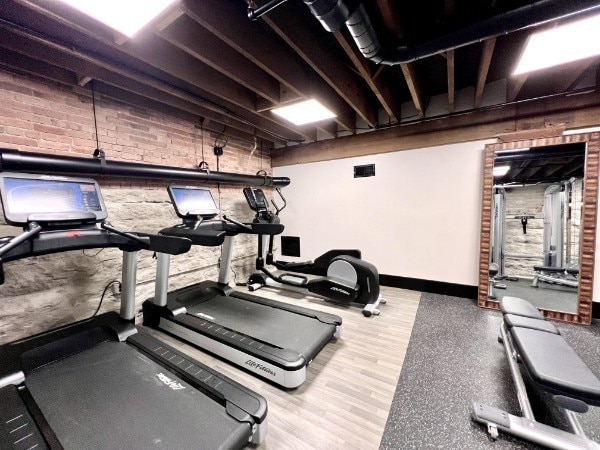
[[525, 426]]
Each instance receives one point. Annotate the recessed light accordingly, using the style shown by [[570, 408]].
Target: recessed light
[[560, 45], [308, 111], [125, 16], [500, 171]]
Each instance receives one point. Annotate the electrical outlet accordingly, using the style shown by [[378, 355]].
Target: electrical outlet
[[116, 289]]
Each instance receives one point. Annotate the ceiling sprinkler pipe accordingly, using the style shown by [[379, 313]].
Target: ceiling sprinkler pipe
[[13, 160], [331, 13]]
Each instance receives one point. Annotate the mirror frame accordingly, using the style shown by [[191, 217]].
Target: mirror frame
[[588, 231]]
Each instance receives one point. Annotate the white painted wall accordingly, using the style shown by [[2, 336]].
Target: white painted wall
[[419, 217]]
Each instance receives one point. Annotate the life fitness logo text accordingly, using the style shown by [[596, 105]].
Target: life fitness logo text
[[258, 366], [172, 384], [337, 289]]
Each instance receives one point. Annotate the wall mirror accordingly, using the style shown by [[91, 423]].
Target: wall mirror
[[539, 224]]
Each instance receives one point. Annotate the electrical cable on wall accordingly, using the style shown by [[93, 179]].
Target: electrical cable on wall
[[218, 148], [104, 293], [94, 112], [203, 162]]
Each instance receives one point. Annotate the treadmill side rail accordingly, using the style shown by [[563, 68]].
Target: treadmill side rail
[[261, 367], [201, 376], [17, 427]]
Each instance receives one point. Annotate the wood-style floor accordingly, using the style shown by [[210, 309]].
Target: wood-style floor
[[345, 400]]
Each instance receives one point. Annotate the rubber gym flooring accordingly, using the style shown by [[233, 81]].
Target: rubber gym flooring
[[453, 359], [559, 298]]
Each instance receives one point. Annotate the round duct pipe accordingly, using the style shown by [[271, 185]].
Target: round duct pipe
[[13, 160], [334, 13]]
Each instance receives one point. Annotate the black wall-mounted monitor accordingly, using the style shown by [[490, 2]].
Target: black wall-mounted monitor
[[256, 199], [27, 197], [193, 201]]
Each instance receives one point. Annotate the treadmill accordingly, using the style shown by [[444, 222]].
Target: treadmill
[[271, 339], [101, 382]]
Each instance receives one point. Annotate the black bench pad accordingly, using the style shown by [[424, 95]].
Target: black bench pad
[[519, 307], [555, 366], [527, 322]]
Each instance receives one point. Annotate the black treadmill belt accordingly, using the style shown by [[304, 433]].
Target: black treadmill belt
[[274, 326], [112, 396]]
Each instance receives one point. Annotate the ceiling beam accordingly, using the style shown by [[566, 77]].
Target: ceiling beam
[[148, 48], [515, 84], [200, 43], [522, 167], [375, 82], [31, 67], [389, 14], [575, 112], [487, 52], [322, 60], [120, 76], [412, 82], [265, 52], [209, 123], [450, 69], [571, 73], [151, 50]]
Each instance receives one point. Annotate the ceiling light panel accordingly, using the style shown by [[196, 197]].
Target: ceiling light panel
[[308, 111], [500, 171], [565, 43], [125, 16]]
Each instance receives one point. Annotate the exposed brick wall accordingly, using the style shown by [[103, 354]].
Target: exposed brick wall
[[44, 292]]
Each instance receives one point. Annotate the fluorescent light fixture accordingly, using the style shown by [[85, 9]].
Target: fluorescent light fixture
[[125, 16], [500, 171], [304, 112], [563, 44]]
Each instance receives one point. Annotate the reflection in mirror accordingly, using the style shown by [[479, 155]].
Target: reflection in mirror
[[536, 221]]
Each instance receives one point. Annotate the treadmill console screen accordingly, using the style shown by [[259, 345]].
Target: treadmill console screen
[[256, 199], [51, 197], [193, 201]]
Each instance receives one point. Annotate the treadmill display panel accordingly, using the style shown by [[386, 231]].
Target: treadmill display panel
[[193, 201], [58, 198]]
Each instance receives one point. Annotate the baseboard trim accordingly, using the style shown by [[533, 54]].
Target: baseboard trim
[[433, 287], [595, 310]]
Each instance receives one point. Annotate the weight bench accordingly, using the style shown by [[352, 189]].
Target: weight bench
[[554, 367], [556, 275]]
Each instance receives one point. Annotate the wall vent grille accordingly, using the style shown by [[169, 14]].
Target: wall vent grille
[[367, 170]]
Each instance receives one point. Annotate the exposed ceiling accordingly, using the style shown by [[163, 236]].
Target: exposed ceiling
[[206, 61], [548, 164]]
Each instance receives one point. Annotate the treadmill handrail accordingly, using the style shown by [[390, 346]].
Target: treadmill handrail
[[42, 242], [31, 230]]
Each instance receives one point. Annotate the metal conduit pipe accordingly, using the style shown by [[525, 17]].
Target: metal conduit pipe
[[333, 14], [17, 161]]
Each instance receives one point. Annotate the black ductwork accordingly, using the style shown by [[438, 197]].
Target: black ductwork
[[13, 160], [333, 14]]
